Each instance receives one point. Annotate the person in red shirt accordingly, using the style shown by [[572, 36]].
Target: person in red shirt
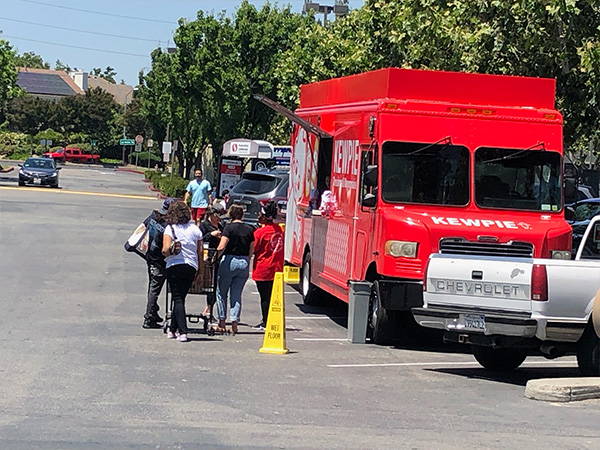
[[268, 257]]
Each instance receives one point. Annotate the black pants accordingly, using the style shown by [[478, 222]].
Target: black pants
[[180, 279], [156, 279], [264, 289]]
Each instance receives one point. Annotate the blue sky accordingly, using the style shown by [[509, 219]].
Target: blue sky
[[20, 24]]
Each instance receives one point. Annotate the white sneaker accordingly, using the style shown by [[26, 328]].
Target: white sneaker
[[182, 338], [170, 335]]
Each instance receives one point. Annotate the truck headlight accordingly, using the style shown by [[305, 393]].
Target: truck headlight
[[403, 249], [560, 254]]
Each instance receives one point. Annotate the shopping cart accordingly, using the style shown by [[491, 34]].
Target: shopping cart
[[204, 284]]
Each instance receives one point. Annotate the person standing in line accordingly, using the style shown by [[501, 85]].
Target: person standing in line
[[236, 246], [182, 248], [268, 257], [212, 230], [155, 260], [199, 191]]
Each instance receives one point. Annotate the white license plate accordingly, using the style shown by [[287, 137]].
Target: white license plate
[[474, 322], [38, 181]]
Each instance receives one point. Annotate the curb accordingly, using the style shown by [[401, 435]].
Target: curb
[[125, 169], [563, 389]]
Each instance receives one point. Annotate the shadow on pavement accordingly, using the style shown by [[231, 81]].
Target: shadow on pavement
[[518, 377]]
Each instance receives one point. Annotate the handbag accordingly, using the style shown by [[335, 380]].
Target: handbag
[[138, 242]]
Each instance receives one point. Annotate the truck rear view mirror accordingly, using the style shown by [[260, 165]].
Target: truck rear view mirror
[[370, 177]]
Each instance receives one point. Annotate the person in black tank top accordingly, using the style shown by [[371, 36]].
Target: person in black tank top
[[235, 249]]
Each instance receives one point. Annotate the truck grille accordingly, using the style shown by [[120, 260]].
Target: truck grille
[[459, 246]]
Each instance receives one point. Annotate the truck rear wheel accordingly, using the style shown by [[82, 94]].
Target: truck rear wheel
[[381, 322], [310, 293], [588, 353], [499, 359]]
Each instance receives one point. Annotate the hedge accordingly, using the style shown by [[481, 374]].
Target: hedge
[[171, 186]]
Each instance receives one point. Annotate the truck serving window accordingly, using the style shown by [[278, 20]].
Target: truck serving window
[[518, 179], [435, 174], [253, 184]]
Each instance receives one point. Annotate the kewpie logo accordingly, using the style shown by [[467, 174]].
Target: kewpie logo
[[345, 160], [504, 224]]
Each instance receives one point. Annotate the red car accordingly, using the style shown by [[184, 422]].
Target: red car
[[73, 155]]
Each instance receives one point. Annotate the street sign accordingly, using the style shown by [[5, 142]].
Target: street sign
[[166, 148], [126, 142], [139, 139], [138, 147], [150, 143], [166, 157], [46, 142]]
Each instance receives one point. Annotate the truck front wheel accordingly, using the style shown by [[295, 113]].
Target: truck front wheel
[[381, 321], [588, 353], [499, 359]]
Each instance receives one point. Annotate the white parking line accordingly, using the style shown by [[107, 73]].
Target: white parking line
[[320, 339], [447, 363], [314, 317]]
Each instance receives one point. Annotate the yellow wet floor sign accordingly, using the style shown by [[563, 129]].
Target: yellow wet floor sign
[[274, 340]]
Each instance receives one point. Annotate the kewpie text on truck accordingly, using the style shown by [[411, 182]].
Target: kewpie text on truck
[[415, 162]]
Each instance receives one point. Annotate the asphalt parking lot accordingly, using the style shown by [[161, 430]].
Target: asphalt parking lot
[[78, 371]]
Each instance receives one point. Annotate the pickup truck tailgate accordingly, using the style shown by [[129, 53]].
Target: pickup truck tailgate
[[460, 280]]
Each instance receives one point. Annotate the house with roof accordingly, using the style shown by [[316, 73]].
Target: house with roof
[[122, 93], [47, 84]]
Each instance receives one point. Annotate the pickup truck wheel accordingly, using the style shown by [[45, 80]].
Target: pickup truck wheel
[[588, 353], [381, 321], [499, 359], [310, 293]]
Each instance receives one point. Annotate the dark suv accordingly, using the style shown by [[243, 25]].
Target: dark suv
[[258, 187]]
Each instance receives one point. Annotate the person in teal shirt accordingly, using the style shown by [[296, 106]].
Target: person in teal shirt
[[199, 191]]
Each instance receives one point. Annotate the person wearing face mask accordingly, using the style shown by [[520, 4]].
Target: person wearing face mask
[[198, 190]]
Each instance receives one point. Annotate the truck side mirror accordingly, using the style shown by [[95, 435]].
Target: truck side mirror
[[369, 201], [569, 213], [370, 176]]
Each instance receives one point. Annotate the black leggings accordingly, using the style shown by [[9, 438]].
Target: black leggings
[[180, 278], [264, 289]]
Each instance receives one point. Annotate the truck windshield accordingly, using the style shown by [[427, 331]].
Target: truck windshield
[[518, 179], [435, 174]]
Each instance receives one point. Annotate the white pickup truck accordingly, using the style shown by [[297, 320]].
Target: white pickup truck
[[507, 308]]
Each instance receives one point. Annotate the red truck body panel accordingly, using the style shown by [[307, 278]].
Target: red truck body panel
[[73, 154], [363, 113]]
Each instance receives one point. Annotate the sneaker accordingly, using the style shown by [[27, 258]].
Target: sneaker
[[182, 338], [150, 323], [171, 335], [260, 326]]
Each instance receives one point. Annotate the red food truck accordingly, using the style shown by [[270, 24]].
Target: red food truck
[[414, 162]]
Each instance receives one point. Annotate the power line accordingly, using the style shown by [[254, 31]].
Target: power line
[[101, 13], [115, 52], [79, 30]]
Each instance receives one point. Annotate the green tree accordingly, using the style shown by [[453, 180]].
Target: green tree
[[28, 114], [8, 76], [108, 74], [59, 65], [31, 60]]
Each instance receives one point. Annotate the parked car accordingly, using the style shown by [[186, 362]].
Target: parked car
[[41, 171], [72, 154], [258, 187], [579, 216]]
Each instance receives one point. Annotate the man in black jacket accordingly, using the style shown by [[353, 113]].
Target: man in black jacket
[[155, 223]]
